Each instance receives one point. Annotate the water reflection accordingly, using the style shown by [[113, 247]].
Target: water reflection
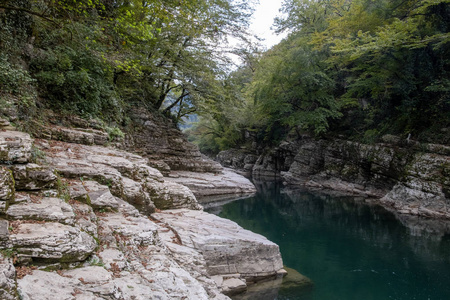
[[350, 248]]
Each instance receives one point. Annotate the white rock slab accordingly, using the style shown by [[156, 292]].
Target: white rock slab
[[53, 241], [15, 147], [50, 209], [211, 184], [226, 247]]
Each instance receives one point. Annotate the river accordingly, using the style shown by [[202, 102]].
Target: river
[[348, 247]]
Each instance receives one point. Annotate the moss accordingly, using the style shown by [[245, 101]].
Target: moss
[[88, 200], [62, 188], [8, 253], [11, 193], [37, 155]]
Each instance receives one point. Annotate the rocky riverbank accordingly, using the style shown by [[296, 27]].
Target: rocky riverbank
[[85, 221], [404, 175]]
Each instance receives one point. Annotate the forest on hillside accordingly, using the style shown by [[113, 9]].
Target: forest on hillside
[[96, 58], [354, 68]]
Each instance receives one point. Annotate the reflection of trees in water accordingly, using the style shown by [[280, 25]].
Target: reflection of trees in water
[[348, 215]]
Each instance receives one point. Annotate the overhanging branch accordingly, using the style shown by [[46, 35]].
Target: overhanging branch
[[34, 13]]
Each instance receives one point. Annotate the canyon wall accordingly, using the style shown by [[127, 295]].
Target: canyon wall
[[410, 177]]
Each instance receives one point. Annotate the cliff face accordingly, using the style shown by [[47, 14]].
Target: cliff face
[[164, 145], [410, 177]]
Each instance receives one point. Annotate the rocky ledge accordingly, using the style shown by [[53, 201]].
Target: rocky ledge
[[88, 222], [410, 177], [207, 186]]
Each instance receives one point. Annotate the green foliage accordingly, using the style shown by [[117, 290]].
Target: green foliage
[[73, 77], [63, 190], [292, 89], [17, 82], [114, 134], [37, 155], [13, 79], [359, 67]]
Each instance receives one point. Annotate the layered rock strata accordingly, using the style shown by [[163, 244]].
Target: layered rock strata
[[228, 250], [410, 177], [207, 185], [164, 145], [90, 207]]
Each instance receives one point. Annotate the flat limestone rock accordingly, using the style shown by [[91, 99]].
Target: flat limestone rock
[[100, 195], [133, 230], [226, 247], [143, 267], [48, 285], [121, 171], [15, 147], [210, 184], [52, 241], [33, 177], [49, 209], [90, 275]]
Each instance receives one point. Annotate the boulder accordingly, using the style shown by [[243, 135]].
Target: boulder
[[226, 247], [47, 209], [52, 242], [15, 147], [33, 177]]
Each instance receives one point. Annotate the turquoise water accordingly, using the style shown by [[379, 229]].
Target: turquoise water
[[348, 248]]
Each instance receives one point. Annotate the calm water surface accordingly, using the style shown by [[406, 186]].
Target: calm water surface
[[348, 248]]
